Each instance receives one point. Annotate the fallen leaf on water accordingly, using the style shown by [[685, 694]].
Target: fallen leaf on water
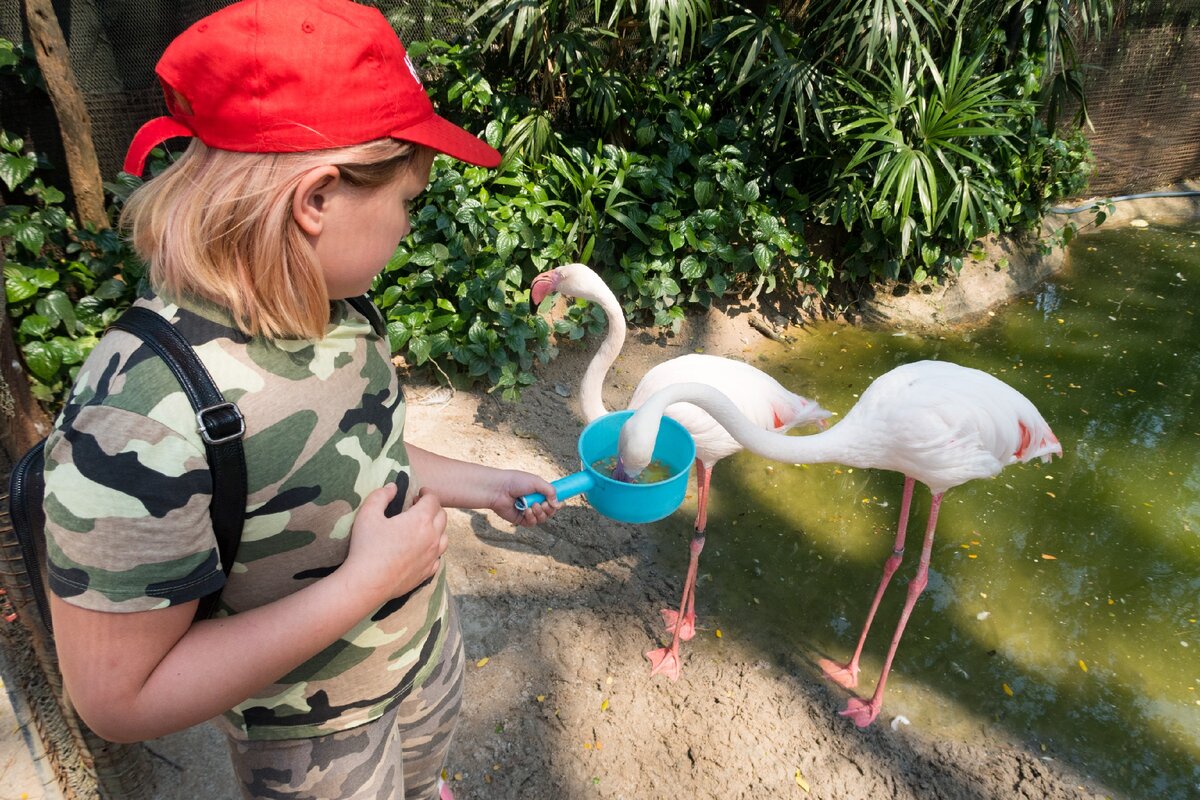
[[1052, 494], [1007, 689], [1082, 665], [1049, 557], [482, 662], [803, 784]]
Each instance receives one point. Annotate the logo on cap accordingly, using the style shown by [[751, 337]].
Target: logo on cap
[[412, 69]]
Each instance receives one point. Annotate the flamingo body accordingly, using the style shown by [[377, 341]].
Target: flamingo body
[[938, 423], [943, 424], [758, 398]]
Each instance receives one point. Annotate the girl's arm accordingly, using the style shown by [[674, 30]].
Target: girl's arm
[[144, 674], [462, 484]]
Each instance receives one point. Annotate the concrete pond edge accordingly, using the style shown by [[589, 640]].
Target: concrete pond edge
[[1011, 266]]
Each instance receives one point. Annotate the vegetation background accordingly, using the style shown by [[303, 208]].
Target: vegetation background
[[690, 150]]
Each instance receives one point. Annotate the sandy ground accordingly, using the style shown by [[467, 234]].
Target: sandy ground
[[565, 707], [559, 701]]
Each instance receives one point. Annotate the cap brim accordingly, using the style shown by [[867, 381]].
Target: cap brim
[[448, 138], [149, 136]]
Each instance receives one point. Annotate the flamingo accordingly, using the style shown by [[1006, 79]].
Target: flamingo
[[755, 394], [935, 422]]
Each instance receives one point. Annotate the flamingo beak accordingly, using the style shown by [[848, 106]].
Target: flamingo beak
[[619, 473], [542, 285]]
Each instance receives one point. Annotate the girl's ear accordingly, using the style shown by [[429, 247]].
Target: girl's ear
[[312, 196]]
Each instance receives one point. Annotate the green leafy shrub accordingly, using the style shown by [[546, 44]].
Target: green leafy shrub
[[63, 285], [683, 149]]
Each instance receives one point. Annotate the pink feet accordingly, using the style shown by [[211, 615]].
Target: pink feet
[[664, 660], [861, 712], [844, 675], [671, 620], [444, 792]]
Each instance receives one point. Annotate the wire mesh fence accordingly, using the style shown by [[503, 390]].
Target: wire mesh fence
[[1143, 88]]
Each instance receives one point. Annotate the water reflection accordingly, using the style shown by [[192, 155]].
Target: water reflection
[[1073, 585]]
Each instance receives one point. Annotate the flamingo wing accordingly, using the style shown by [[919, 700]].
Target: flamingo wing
[[945, 424]]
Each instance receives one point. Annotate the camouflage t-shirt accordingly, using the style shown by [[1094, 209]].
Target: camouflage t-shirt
[[128, 489]]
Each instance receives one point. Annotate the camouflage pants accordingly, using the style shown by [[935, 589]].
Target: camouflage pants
[[397, 757]]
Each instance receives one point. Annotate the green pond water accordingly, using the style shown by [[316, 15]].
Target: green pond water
[[1063, 599]]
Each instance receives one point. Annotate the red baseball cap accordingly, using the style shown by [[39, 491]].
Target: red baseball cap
[[284, 76]]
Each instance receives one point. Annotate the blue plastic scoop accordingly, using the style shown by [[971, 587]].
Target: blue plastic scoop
[[626, 502]]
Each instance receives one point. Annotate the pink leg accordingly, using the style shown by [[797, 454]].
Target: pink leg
[[444, 792], [862, 713], [685, 618], [682, 624], [847, 674]]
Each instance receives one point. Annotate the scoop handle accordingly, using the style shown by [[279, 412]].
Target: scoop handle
[[567, 486]]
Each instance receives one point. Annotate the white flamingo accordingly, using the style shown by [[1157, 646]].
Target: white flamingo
[[755, 394], [935, 422]]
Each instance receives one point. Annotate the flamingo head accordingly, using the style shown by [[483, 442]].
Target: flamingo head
[[811, 413], [569, 279], [635, 445], [544, 284]]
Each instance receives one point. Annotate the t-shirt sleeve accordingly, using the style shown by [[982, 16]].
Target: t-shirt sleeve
[[127, 513]]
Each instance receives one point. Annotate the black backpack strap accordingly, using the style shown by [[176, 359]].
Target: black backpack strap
[[363, 305], [221, 427]]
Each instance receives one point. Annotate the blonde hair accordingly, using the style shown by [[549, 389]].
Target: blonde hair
[[218, 225]]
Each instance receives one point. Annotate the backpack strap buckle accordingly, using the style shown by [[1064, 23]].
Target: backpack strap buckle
[[215, 429]]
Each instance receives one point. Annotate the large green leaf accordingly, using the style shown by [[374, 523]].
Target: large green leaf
[[14, 169], [31, 235], [42, 359], [57, 308]]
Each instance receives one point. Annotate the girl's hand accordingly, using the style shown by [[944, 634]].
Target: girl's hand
[[390, 556], [511, 486]]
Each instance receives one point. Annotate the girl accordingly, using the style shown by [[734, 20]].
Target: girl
[[335, 659]]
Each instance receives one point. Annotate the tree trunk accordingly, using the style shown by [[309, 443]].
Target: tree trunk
[[74, 122]]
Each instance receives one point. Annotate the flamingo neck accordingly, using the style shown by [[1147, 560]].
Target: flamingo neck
[[835, 444], [591, 388]]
